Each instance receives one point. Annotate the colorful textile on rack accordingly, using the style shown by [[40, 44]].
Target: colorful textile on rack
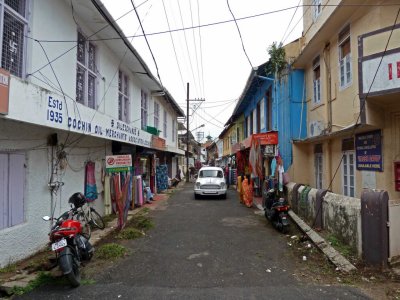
[[247, 193], [162, 177], [240, 188], [107, 195], [90, 181], [138, 191]]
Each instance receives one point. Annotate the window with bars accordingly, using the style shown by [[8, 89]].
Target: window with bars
[[345, 57], [318, 155], [316, 81], [165, 125], [15, 23], [349, 173], [144, 109], [156, 115], [317, 9], [123, 97], [86, 73]]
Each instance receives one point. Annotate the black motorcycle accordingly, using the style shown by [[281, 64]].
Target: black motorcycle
[[276, 209]]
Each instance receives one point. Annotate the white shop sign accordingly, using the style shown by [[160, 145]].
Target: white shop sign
[[388, 75], [72, 116]]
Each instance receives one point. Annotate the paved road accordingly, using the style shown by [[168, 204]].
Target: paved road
[[203, 249]]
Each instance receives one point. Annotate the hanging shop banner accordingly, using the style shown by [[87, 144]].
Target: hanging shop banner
[[118, 163], [265, 138], [369, 151], [4, 91]]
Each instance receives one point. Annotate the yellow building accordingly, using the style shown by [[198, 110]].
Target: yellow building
[[351, 58]]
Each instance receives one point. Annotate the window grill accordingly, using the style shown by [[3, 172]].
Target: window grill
[[86, 72], [123, 97], [13, 44], [18, 5]]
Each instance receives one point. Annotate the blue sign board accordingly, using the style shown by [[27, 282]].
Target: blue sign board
[[369, 151]]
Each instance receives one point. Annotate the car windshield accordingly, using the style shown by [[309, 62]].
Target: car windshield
[[210, 173]]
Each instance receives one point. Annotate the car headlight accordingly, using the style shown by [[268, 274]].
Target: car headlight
[[223, 185], [197, 185]]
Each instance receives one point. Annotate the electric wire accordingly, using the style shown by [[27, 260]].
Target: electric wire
[[173, 46], [240, 35], [290, 22], [195, 48], [361, 108], [108, 87], [187, 49], [369, 90], [201, 51], [75, 41], [215, 23], [147, 42]]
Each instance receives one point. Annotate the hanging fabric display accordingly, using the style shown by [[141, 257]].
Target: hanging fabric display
[[119, 169], [162, 177], [90, 181], [138, 191], [107, 195]]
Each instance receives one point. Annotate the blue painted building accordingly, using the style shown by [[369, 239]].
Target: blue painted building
[[270, 105]]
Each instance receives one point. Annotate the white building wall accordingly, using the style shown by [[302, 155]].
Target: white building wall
[[17, 242]]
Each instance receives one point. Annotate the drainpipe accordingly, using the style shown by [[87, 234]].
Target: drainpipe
[[327, 62]]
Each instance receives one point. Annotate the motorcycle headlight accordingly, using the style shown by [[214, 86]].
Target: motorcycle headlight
[[197, 185]]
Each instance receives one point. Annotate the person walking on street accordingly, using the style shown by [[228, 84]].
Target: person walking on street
[[227, 175]]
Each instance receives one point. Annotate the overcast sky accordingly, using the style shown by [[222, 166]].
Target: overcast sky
[[211, 58]]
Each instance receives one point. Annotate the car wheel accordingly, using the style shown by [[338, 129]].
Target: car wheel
[[223, 196], [196, 196]]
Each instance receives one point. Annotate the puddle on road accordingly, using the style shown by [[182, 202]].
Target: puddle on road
[[248, 221]]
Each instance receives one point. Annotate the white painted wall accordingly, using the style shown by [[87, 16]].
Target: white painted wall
[[17, 242], [27, 126]]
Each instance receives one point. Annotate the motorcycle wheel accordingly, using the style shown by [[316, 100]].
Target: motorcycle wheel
[[74, 277], [285, 229]]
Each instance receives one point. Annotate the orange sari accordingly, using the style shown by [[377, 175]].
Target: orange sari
[[247, 193]]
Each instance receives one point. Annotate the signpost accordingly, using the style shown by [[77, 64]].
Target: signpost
[[369, 151], [118, 163]]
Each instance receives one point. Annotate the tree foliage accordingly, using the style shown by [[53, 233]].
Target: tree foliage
[[277, 62]]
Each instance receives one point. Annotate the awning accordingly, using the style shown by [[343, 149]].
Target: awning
[[264, 138]]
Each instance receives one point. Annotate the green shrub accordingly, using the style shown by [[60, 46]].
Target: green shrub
[[130, 234], [110, 251]]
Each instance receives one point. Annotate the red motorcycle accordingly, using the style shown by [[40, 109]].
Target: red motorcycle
[[69, 245]]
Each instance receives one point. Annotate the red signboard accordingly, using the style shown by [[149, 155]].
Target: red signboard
[[158, 142], [4, 89], [265, 138]]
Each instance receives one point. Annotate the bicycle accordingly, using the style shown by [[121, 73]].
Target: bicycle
[[86, 214]]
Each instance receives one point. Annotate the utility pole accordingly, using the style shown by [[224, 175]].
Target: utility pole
[[187, 129], [187, 133]]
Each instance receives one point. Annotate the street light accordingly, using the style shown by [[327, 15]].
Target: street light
[[187, 149]]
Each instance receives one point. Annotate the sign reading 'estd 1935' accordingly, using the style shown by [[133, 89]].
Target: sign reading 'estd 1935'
[[369, 151], [118, 163]]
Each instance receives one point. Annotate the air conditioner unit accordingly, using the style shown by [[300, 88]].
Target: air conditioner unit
[[316, 128]]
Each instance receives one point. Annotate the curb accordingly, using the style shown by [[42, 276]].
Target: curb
[[334, 256]]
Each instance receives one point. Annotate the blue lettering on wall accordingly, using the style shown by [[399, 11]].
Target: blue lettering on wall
[[79, 125]]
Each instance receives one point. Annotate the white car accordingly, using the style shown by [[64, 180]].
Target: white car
[[210, 182]]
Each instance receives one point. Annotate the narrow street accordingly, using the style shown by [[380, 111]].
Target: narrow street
[[203, 249]]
